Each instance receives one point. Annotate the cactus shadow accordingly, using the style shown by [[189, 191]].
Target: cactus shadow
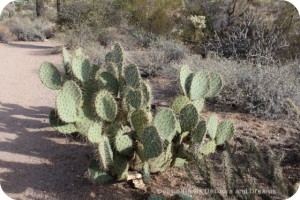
[[38, 163]]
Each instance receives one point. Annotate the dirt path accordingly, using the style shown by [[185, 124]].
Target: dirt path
[[36, 162]]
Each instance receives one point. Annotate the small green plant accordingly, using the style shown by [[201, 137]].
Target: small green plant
[[111, 106]]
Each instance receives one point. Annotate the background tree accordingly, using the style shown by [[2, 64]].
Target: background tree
[[40, 8]]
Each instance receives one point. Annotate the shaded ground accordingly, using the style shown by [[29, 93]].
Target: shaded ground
[[38, 163]]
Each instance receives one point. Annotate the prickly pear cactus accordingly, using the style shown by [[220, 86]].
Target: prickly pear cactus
[[110, 106]]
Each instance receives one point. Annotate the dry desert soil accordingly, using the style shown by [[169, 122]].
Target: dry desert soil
[[36, 162]]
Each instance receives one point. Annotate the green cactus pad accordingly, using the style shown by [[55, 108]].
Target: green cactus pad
[[208, 147], [180, 162], [98, 175], [180, 102], [132, 76], [165, 122], [120, 167], [123, 143], [199, 85], [84, 121], [112, 129], [178, 127], [215, 85], [163, 161], [74, 90], [212, 126], [199, 104], [146, 89], [81, 68], [188, 118], [78, 52], [116, 56], [50, 76], [66, 107], [225, 132], [59, 125], [94, 70], [151, 142], [140, 119], [146, 172], [106, 106], [185, 77], [134, 98], [113, 69], [94, 133], [199, 132], [108, 82], [105, 153]]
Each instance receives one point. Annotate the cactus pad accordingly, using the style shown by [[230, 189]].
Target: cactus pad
[[180, 102], [106, 106], [81, 68], [66, 107], [50, 76], [84, 121], [109, 82], [132, 76], [165, 122], [97, 175], [59, 125], [134, 98], [185, 77], [215, 85], [74, 90], [105, 153], [152, 143], [112, 68], [199, 132], [212, 126], [225, 132], [208, 147], [123, 143], [94, 133], [146, 89], [188, 118], [120, 167], [199, 85], [140, 119], [116, 56], [199, 104]]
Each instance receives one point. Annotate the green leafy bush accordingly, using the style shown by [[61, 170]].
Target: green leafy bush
[[111, 107]]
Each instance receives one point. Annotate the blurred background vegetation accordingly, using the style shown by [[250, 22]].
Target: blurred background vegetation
[[254, 44]]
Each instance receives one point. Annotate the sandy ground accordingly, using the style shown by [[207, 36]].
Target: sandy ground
[[36, 162]]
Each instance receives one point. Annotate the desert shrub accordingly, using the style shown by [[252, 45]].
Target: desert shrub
[[152, 16], [5, 34], [259, 90], [158, 58], [26, 29], [111, 107], [258, 34], [242, 168], [88, 20]]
